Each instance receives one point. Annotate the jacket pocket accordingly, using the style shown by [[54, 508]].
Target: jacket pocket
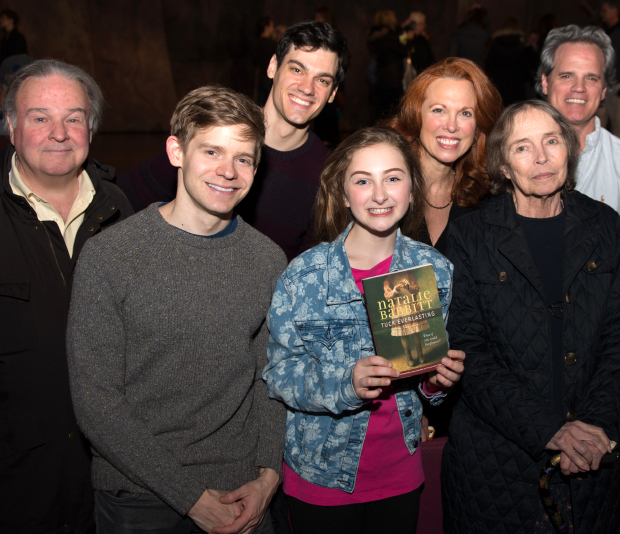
[[15, 317], [328, 341], [322, 442]]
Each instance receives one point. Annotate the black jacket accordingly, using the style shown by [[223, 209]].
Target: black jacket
[[44, 460], [504, 419]]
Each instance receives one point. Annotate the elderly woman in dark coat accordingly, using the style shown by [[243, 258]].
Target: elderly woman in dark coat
[[536, 307]]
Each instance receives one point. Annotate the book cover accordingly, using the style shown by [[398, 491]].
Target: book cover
[[405, 316]]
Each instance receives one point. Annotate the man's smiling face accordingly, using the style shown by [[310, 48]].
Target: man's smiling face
[[576, 85], [52, 133], [218, 167], [303, 83]]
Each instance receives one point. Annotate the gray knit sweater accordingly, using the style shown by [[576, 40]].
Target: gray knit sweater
[[166, 345]]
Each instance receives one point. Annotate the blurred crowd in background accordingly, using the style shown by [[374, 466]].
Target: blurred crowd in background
[[400, 50]]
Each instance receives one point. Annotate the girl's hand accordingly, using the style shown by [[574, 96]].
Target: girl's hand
[[449, 371], [370, 374]]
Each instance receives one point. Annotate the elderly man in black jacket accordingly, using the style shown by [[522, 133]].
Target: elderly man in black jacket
[[536, 307], [52, 201]]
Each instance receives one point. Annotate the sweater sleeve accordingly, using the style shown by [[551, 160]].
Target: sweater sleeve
[[489, 388], [95, 349], [270, 412]]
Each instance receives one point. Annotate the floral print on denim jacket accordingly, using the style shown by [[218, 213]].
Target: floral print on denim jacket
[[318, 329]]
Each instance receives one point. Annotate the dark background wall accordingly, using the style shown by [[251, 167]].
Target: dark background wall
[[146, 54]]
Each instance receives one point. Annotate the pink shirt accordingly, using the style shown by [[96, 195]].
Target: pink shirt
[[386, 468]]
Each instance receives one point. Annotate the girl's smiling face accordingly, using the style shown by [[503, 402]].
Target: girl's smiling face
[[377, 186]]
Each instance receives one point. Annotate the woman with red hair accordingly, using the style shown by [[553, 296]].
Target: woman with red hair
[[446, 114]]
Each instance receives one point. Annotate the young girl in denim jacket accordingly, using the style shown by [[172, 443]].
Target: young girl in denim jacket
[[351, 464]]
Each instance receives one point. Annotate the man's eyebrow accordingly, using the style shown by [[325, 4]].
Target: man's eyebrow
[[586, 74], [210, 146], [43, 110], [319, 75]]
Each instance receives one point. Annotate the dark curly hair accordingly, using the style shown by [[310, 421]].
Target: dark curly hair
[[311, 36]]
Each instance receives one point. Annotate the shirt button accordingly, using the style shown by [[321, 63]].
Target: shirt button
[[112, 207], [503, 277], [571, 415], [100, 217], [71, 435], [591, 266], [408, 413], [569, 297], [570, 358], [415, 444], [91, 229]]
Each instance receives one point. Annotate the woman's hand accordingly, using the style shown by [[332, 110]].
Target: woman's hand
[[449, 371], [582, 446], [370, 374]]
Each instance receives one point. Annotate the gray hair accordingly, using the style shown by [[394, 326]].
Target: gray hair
[[497, 158], [575, 34], [43, 68]]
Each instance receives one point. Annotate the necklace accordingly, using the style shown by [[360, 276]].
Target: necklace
[[438, 207], [441, 207]]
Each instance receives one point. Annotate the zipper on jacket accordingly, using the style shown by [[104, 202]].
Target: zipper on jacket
[[54, 253]]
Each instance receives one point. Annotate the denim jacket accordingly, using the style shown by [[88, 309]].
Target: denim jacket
[[319, 328]]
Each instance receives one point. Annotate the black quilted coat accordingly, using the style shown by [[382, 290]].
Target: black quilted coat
[[504, 419]]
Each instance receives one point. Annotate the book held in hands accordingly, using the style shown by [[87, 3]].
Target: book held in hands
[[406, 320]]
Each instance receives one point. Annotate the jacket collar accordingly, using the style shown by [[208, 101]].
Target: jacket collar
[[580, 239], [341, 287], [99, 209]]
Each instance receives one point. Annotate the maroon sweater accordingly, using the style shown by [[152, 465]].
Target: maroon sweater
[[279, 203]]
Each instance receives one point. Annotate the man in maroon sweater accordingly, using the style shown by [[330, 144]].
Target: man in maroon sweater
[[307, 68]]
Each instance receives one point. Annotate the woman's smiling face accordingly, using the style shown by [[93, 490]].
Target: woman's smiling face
[[448, 120]]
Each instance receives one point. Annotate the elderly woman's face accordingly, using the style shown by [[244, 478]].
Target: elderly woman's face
[[448, 120], [537, 156]]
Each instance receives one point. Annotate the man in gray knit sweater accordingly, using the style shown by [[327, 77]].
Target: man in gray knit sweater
[[167, 341]]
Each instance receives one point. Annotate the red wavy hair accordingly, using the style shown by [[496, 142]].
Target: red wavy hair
[[471, 183]]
